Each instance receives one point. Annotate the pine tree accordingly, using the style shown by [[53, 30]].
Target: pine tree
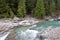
[[58, 4], [30, 5], [21, 8], [47, 7], [3, 10], [9, 11], [39, 11], [52, 8]]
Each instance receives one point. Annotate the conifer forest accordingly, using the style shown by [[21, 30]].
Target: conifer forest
[[34, 8]]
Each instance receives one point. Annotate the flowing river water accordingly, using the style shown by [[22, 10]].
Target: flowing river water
[[30, 33]]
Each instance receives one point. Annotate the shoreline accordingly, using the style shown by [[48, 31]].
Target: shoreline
[[8, 24]]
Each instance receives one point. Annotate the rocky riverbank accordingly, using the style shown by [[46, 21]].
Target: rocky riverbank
[[49, 34], [8, 24]]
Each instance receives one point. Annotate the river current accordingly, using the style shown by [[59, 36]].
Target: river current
[[30, 33]]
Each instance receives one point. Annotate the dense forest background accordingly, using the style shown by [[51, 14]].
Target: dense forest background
[[34, 8]]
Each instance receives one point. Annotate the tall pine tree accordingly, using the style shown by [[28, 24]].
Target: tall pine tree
[[39, 11], [52, 8], [21, 12], [3, 10]]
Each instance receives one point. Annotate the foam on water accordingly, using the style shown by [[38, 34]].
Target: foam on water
[[27, 35], [4, 36], [30, 33]]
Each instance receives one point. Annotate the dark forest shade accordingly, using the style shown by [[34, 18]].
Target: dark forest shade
[[52, 8], [37, 8], [30, 5]]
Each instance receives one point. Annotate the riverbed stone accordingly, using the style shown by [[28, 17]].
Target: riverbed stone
[[11, 36], [50, 34], [8, 24]]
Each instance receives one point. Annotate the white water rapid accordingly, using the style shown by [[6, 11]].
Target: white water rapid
[[4, 36], [27, 35]]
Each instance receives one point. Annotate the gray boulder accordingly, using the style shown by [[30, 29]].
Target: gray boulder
[[49, 34]]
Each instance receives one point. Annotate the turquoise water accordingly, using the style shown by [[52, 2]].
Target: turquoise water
[[44, 25], [29, 33], [40, 26]]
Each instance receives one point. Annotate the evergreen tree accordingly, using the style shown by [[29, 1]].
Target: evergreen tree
[[30, 5], [52, 8], [10, 12], [39, 11], [58, 4], [21, 8], [3, 10], [47, 7]]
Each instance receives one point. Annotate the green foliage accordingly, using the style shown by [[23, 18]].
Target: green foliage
[[5, 15], [30, 5], [58, 4], [21, 8], [3, 11], [37, 8], [39, 11], [10, 12], [2, 6], [52, 7]]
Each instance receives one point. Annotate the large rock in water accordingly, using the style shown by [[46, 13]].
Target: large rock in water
[[49, 34]]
